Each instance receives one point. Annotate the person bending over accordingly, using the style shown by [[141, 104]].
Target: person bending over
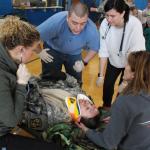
[[65, 34]]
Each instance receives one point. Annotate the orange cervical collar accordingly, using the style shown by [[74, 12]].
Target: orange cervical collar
[[73, 107]]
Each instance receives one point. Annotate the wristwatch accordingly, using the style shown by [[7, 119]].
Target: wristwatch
[[85, 63]]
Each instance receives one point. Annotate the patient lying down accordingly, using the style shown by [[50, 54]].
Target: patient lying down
[[52, 107]]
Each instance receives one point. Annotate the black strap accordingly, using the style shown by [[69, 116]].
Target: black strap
[[106, 32], [122, 39], [120, 50]]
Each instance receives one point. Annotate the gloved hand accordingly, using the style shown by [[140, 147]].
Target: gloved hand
[[23, 74], [78, 66], [100, 80], [45, 56]]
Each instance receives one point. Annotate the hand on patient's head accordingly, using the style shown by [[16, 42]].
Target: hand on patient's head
[[82, 126]]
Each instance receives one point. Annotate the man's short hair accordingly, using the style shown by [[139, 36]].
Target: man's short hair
[[79, 9]]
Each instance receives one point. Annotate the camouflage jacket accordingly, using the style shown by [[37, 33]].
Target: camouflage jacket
[[46, 115], [71, 137], [45, 105]]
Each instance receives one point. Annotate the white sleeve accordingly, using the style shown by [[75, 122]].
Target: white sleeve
[[137, 38], [103, 52]]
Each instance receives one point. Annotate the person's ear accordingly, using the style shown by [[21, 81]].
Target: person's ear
[[123, 13], [19, 49], [22, 50]]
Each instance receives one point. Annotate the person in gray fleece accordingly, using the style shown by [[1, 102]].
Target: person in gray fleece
[[129, 124], [18, 40]]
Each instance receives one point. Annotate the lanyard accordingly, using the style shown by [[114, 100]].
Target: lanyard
[[106, 32], [122, 39]]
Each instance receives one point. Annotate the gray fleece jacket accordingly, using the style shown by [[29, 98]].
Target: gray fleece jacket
[[129, 126], [12, 95]]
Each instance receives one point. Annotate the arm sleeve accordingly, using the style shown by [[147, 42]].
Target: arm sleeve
[[115, 130], [48, 29], [93, 39], [103, 52], [137, 38], [11, 103]]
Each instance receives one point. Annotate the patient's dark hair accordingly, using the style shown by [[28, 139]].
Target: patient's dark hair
[[91, 123]]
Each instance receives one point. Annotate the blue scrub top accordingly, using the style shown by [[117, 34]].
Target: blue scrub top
[[57, 35]]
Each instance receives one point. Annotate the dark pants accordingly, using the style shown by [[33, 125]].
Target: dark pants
[[110, 78], [15, 142], [62, 59]]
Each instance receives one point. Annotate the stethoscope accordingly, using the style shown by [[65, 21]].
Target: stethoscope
[[122, 39], [106, 32]]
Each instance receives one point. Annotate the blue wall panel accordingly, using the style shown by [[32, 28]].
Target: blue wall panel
[[5, 7], [141, 4], [36, 16]]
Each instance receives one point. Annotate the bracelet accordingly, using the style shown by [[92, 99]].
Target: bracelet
[[85, 63], [99, 75]]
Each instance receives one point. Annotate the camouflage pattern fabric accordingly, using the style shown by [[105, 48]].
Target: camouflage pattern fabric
[[70, 137], [70, 85], [45, 111]]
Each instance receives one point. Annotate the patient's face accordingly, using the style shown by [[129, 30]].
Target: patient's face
[[87, 109]]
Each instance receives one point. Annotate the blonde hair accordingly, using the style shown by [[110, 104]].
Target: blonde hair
[[14, 32]]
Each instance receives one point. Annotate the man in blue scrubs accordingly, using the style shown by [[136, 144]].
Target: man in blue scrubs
[[65, 34]]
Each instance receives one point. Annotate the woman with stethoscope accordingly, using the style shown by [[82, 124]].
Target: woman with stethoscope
[[120, 34]]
